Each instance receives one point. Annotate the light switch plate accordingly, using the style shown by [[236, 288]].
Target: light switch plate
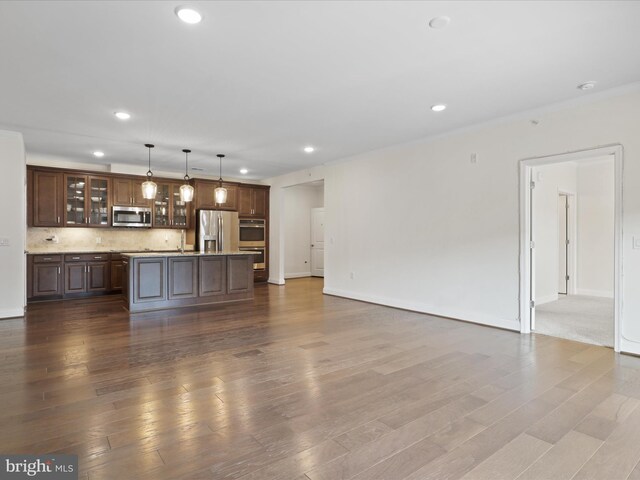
[[4, 242], [636, 243]]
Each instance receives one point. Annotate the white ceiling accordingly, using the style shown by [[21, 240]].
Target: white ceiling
[[260, 80]]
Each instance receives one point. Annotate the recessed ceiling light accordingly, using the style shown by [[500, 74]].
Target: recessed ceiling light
[[309, 149], [98, 154], [122, 115], [188, 15], [438, 23], [586, 86], [244, 171], [438, 107]]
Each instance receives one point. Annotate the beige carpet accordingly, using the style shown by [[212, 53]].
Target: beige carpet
[[577, 317]]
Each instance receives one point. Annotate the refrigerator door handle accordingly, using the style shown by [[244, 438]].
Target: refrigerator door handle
[[220, 233]]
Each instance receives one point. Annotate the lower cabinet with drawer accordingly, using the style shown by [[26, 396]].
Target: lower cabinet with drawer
[[86, 273], [46, 277], [51, 277]]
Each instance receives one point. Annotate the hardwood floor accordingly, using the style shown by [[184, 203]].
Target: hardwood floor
[[297, 385]]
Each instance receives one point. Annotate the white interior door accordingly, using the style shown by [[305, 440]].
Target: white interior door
[[563, 245], [317, 242]]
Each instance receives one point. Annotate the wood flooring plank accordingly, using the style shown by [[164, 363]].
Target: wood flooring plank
[[511, 460], [299, 385], [564, 459], [618, 455]]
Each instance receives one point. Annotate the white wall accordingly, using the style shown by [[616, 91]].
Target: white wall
[[446, 240], [298, 202], [12, 224], [550, 181], [596, 228]]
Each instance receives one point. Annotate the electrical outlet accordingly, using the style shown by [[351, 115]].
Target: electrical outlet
[[636, 243], [352, 275], [98, 240], [474, 158]]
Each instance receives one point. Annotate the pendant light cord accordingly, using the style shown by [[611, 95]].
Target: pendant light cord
[[186, 164], [220, 156], [149, 173]]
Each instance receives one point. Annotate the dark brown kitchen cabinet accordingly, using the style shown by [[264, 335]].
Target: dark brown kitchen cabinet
[[86, 201], [46, 199], [127, 192], [168, 210], [205, 195], [86, 273], [253, 201], [117, 270], [44, 275]]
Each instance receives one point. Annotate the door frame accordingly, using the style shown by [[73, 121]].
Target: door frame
[[314, 210], [527, 253], [572, 233]]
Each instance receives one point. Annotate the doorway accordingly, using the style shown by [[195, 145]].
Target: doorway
[[571, 255], [303, 230], [317, 242]]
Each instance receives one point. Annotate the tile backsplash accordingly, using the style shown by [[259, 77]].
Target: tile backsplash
[[101, 239]]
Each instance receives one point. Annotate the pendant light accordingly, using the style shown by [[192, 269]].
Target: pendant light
[[149, 187], [186, 190], [220, 193]]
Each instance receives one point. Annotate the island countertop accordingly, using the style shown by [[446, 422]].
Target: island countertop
[[158, 280], [186, 253]]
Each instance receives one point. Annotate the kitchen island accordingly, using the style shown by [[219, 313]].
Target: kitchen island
[[159, 280]]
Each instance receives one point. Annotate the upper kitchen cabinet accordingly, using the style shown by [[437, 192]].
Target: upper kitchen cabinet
[[86, 201], [205, 197], [168, 210], [46, 199], [253, 201], [127, 192]]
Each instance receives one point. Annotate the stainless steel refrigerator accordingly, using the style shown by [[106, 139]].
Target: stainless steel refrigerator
[[216, 231]]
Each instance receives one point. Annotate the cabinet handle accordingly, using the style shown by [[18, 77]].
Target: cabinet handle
[[98, 258], [58, 220], [88, 219], [47, 259], [58, 270]]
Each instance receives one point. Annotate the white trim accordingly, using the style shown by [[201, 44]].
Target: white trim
[[455, 314], [594, 293], [12, 313], [276, 281], [526, 166], [296, 275]]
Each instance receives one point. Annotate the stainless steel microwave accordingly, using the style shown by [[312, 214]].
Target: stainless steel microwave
[[131, 217]]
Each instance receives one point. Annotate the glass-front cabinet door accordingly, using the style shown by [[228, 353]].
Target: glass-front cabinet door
[[86, 201], [180, 209], [75, 200], [98, 199], [161, 206]]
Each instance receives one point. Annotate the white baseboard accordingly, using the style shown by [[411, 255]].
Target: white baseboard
[[546, 299], [297, 275], [12, 313], [276, 281], [594, 293], [453, 313]]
